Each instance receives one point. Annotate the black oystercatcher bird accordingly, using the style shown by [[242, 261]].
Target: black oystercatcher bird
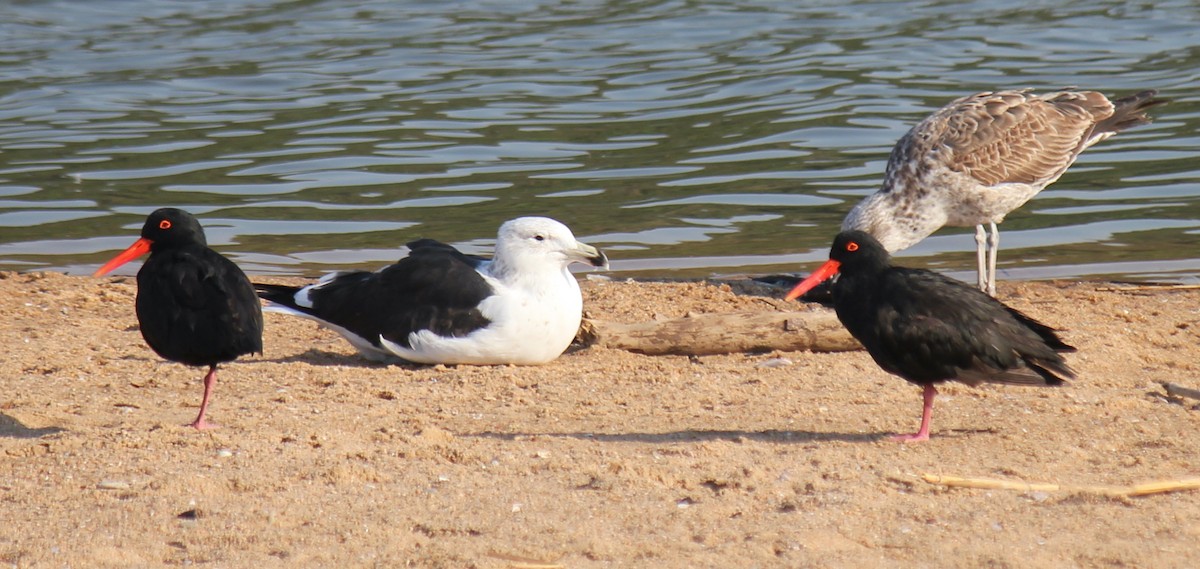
[[194, 306], [438, 305], [928, 328], [982, 156]]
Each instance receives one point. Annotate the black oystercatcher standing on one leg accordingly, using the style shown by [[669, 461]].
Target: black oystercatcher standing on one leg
[[194, 306], [927, 328]]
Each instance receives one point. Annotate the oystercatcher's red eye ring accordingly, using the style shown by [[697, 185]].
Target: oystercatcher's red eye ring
[[852, 246], [164, 224]]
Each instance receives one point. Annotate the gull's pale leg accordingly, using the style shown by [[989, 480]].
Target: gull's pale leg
[[980, 252], [993, 249]]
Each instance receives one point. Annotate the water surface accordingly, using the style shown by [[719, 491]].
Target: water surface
[[685, 138]]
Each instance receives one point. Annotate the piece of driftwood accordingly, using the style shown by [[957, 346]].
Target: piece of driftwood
[[1180, 391], [1145, 489], [724, 333]]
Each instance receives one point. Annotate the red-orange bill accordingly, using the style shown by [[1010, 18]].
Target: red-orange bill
[[819, 276], [139, 248]]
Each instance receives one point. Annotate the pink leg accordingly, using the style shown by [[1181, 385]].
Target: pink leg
[[926, 416], [209, 380]]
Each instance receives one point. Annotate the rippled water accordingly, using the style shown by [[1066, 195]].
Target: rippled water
[[685, 138]]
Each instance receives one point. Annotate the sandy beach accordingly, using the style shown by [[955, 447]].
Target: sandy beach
[[602, 458]]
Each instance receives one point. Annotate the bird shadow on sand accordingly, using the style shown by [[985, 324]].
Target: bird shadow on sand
[[316, 357], [11, 428], [691, 436], [768, 436], [961, 433]]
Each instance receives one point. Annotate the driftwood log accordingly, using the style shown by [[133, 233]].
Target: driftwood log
[[723, 333]]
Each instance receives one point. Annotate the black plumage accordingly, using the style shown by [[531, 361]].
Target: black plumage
[[438, 305], [397, 300], [928, 328], [193, 305]]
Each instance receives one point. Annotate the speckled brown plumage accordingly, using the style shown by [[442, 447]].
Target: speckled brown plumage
[[984, 155]]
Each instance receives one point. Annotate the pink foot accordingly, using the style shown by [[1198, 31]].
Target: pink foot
[[913, 438], [209, 380], [201, 425]]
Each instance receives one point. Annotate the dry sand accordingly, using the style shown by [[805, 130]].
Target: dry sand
[[602, 458]]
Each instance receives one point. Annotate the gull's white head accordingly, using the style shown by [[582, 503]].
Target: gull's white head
[[534, 244]]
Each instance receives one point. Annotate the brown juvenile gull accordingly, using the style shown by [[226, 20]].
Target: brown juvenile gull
[[982, 156]]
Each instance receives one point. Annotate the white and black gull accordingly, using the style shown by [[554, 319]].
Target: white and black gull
[[440, 306], [983, 156]]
